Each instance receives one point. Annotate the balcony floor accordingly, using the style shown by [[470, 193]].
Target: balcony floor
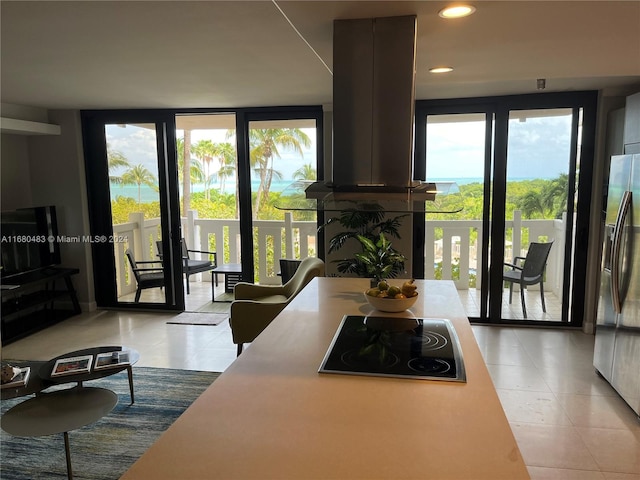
[[199, 300], [471, 301]]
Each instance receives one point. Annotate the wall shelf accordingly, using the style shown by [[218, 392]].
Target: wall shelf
[[26, 127]]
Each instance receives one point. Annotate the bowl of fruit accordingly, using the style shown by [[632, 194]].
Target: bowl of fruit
[[391, 298]]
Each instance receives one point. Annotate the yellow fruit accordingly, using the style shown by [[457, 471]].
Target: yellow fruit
[[393, 291], [382, 285], [399, 296], [409, 288], [373, 292]]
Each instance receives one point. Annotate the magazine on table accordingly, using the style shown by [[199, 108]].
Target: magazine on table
[[72, 365], [112, 359], [20, 378]]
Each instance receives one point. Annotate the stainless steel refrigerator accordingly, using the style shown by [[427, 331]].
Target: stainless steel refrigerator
[[617, 342]]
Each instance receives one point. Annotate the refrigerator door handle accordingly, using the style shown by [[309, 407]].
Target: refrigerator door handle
[[618, 232]]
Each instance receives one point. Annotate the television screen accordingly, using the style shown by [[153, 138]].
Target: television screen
[[29, 240]]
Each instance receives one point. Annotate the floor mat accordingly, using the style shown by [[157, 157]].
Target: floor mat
[[198, 318]]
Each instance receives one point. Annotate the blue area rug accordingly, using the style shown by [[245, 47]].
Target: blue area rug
[[106, 449]]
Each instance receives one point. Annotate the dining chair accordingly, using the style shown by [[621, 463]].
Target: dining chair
[[288, 268], [191, 266], [529, 272], [146, 276]]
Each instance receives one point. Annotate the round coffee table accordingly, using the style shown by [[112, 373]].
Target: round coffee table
[[59, 412], [35, 384], [94, 373]]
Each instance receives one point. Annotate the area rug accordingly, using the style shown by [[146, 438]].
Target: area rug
[[198, 318], [106, 449], [221, 305]]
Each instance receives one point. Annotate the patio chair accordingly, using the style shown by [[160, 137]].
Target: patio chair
[[288, 269], [191, 266], [146, 276], [530, 272], [255, 306]]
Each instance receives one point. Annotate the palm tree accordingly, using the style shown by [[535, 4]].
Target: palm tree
[[555, 195], [205, 151], [306, 172], [116, 160], [226, 155], [196, 172], [139, 175], [183, 147], [231, 135], [550, 201], [531, 203], [263, 146]]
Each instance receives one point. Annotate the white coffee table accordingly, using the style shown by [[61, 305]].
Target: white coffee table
[[59, 412]]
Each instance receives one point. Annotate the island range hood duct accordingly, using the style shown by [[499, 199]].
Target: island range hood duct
[[373, 112]]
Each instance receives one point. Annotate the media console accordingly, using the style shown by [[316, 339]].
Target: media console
[[29, 301]]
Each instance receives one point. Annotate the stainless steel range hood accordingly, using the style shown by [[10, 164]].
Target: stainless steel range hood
[[373, 112]]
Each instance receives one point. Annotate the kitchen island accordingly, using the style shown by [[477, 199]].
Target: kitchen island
[[272, 415]]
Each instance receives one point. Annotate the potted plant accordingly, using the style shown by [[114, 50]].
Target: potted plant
[[377, 258]]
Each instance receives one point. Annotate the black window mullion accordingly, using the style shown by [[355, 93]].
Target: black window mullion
[[486, 215], [244, 201], [498, 222]]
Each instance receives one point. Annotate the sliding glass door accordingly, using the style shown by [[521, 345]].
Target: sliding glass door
[[540, 178], [524, 180], [133, 199], [281, 152], [457, 151], [209, 179]]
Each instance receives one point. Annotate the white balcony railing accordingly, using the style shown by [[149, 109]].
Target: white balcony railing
[[455, 255]]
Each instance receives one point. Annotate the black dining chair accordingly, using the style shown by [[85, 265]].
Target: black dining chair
[[529, 272], [288, 268], [146, 276], [191, 266]]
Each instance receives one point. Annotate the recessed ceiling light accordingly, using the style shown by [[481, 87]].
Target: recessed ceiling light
[[457, 11], [441, 70]]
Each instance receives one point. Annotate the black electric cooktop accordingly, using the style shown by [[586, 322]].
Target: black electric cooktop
[[422, 348]]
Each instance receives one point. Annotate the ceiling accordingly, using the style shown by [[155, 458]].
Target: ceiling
[[183, 54]]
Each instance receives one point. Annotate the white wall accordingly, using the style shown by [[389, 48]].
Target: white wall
[[49, 170], [14, 172]]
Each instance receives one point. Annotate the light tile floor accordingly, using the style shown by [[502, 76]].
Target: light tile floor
[[568, 422]]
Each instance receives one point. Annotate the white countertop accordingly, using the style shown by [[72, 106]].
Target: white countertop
[[272, 415]]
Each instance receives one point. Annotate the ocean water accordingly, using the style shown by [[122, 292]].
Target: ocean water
[[147, 194]]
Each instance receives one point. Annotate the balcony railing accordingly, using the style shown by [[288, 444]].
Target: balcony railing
[[455, 255]]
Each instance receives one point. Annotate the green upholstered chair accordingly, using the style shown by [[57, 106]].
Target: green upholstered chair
[[255, 306]]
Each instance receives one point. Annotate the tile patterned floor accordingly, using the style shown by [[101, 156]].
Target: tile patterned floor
[[568, 422]]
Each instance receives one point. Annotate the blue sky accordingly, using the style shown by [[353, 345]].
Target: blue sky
[[138, 146], [538, 148]]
